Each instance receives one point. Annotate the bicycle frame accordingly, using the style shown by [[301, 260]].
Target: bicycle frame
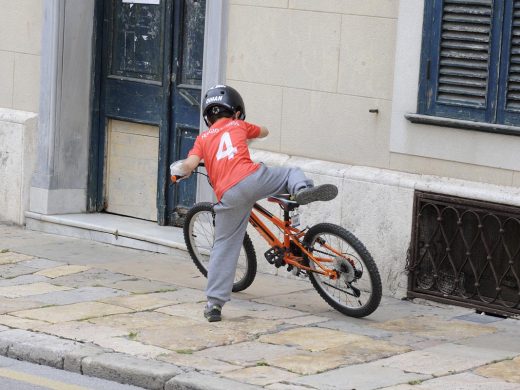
[[291, 234]]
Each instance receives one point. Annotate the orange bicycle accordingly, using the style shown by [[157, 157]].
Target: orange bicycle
[[338, 265]]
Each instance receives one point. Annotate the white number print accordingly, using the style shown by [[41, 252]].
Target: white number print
[[226, 148]]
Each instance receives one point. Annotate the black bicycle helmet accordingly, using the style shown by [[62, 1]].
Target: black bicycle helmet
[[222, 98]]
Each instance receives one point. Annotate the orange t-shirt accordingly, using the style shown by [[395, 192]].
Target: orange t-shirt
[[225, 152]]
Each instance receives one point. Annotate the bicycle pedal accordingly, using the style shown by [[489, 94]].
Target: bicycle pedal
[[274, 256]]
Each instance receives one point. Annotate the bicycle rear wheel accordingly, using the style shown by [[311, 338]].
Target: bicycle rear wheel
[[199, 234], [357, 290]]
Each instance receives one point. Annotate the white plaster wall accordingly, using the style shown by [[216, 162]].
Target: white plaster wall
[[17, 157]]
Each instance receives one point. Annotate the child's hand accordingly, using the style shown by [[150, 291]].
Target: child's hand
[[177, 169]]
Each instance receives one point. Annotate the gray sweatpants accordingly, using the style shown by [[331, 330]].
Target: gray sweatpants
[[232, 216]]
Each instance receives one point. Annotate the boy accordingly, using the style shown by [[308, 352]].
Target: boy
[[238, 183]]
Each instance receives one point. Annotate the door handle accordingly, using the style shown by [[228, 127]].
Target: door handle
[[188, 98]]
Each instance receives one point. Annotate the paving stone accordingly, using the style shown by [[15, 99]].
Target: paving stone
[[20, 323], [132, 322], [127, 369], [359, 350], [504, 340], [433, 327], [26, 290], [13, 257], [195, 380], [193, 337], [464, 381], [306, 320], [131, 347], [41, 264], [283, 386], [508, 370], [139, 301], [76, 311], [189, 360], [307, 301], [83, 294], [351, 325], [140, 286], [189, 310], [8, 305], [307, 363], [92, 278], [312, 339], [443, 359], [260, 375], [478, 318], [23, 279], [248, 353], [81, 331], [183, 295], [238, 308], [360, 377], [9, 271], [251, 326], [62, 270]]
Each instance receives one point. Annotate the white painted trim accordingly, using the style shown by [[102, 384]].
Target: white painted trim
[[214, 69]]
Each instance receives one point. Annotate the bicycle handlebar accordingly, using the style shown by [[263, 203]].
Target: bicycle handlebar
[[176, 178]]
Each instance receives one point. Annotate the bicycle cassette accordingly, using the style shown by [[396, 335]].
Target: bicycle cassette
[[345, 270]]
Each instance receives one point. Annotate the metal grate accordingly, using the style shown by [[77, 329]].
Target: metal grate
[[466, 252]]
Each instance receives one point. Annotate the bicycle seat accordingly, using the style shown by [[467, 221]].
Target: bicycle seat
[[285, 202]]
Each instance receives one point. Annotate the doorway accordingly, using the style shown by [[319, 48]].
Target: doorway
[[148, 90]]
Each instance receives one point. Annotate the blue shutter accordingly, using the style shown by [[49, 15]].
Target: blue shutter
[[461, 42], [509, 99]]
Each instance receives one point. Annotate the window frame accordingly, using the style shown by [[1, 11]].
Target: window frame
[[494, 113]]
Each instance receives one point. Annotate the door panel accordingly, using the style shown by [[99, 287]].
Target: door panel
[[187, 66]]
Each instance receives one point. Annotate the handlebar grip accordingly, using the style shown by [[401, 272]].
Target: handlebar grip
[[176, 178]]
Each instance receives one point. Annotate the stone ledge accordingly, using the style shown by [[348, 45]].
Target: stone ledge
[[456, 187], [16, 116]]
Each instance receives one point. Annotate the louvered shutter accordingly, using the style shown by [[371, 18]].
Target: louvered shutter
[[509, 101], [464, 52], [458, 79]]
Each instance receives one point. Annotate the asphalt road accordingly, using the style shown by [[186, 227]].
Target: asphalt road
[[17, 375]]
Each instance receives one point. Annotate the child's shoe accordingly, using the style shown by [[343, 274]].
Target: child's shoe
[[312, 194], [213, 313]]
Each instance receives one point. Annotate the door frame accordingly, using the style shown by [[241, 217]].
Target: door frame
[[215, 48]]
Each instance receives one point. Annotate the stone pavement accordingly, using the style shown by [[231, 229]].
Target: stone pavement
[[136, 317]]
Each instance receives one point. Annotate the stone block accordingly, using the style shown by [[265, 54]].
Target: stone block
[[127, 369], [261, 375], [26, 91], [26, 290], [194, 380], [62, 271], [367, 60], [17, 158], [335, 127], [6, 81], [305, 55], [21, 23], [379, 8]]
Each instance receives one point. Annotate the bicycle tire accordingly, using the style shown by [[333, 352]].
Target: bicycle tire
[[338, 296], [201, 217]]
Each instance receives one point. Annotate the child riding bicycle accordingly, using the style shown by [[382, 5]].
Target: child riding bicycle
[[238, 183]]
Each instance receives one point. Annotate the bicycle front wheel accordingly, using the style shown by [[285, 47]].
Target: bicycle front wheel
[[199, 235], [357, 290]]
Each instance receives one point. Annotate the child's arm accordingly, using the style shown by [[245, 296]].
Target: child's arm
[[190, 164], [263, 132]]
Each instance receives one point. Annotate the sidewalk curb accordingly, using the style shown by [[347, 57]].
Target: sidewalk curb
[[92, 360]]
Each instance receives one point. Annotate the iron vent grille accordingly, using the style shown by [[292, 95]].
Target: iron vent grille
[[466, 252]]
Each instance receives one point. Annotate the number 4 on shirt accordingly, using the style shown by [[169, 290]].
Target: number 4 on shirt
[[226, 148]]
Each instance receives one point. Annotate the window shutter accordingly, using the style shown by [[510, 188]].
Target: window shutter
[[464, 52], [461, 42], [513, 85]]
